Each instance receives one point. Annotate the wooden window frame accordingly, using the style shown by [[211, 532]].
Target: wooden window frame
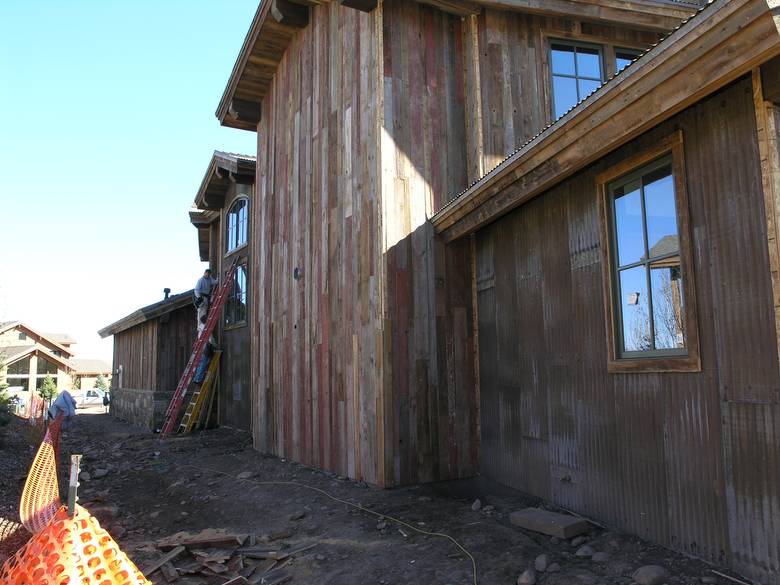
[[238, 324], [622, 49], [575, 44], [691, 362], [608, 46], [230, 251]]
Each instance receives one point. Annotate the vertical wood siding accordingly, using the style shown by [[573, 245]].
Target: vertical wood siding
[[691, 460], [430, 424], [318, 373], [235, 396], [136, 351], [176, 333], [515, 98], [362, 364]]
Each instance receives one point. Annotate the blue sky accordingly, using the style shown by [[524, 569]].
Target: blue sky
[[106, 128]]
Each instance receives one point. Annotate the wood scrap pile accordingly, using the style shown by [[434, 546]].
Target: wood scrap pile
[[224, 557]]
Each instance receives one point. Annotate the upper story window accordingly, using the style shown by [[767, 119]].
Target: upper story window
[[20, 368], [22, 336], [624, 57], [649, 276], [46, 367], [577, 71], [235, 311], [236, 223]]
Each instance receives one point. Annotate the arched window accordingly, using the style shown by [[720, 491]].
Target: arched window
[[236, 224]]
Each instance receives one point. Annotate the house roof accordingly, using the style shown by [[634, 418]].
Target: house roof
[[84, 366], [61, 338], [15, 353], [39, 337], [148, 313], [224, 168], [723, 42], [272, 31]]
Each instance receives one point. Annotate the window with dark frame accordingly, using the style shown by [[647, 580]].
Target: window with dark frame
[[22, 336], [236, 223], [646, 263], [624, 58], [577, 70], [236, 311]]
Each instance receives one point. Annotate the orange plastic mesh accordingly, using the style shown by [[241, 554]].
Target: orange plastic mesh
[[71, 551], [41, 495]]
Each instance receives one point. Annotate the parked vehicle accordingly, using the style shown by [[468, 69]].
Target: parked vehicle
[[90, 397]]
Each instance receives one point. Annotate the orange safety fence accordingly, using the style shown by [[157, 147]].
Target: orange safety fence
[[41, 495], [71, 551]]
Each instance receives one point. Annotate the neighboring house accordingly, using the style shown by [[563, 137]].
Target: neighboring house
[[221, 215], [151, 348], [30, 357], [63, 339], [86, 372], [456, 265]]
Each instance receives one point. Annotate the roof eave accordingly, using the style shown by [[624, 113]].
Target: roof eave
[[724, 42]]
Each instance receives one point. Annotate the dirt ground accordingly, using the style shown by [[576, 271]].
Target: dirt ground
[[143, 489]]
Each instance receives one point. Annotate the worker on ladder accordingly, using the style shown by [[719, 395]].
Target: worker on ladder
[[203, 289], [208, 353]]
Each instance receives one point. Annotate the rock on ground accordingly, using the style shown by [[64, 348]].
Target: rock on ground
[[650, 575]]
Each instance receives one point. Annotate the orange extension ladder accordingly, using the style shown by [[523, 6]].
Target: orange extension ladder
[[197, 352]]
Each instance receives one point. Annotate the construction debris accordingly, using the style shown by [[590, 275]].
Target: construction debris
[[219, 552]]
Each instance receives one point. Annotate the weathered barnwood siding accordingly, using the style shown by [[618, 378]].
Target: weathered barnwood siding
[[318, 357], [690, 460], [514, 72], [430, 407], [362, 362], [234, 399], [135, 349], [175, 338]]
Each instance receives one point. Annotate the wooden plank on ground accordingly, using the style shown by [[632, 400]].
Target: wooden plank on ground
[[550, 523]]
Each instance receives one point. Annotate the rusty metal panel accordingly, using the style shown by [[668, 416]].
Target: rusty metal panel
[[690, 460]]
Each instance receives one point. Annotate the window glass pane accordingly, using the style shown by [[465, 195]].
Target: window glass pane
[[628, 224], [565, 94], [634, 309], [587, 87], [661, 212], [588, 63], [21, 367], [46, 367], [18, 384], [22, 336], [39, 382], [623, 59], [563, 59], [668, 303]]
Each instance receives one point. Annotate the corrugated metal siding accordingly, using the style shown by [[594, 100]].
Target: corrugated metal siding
[[690, 460]]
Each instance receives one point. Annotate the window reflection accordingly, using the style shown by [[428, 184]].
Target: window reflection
[[236, 223], [236, 312], [668, 321], [636, 313], [576, 73], [652, 304]]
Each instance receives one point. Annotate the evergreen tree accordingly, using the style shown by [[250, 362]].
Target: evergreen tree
[[48, 389], [100, 383]]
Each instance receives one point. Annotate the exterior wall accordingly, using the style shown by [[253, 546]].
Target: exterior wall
[[132, 388], [176, 333], [234, 405], [689, 460], [430, 427], [317, 358], [514, 81], [140, 406]]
